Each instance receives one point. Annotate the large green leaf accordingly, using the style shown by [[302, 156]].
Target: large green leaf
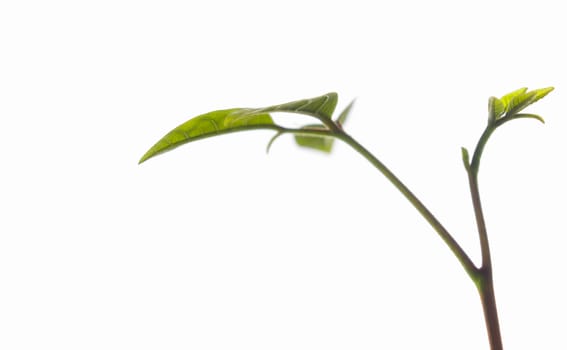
[[240, 119], [321, 107], [210, 124]]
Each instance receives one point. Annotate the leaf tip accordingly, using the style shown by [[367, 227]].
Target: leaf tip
[[145, 157], [541, 93]]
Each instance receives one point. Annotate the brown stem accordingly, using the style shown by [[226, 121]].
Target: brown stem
[[486, 291]]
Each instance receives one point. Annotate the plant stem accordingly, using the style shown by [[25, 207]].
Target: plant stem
[[461, 255], [485, 284], [475, 162], [481, 225], [486, 291]]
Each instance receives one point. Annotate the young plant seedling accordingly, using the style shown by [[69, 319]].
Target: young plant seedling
[[320, 136]]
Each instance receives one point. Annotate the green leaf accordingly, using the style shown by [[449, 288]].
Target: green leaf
[[210, 124], [320, 143], [344, 114], [513, 103], [240, 119], [321, 107], [519, 100]]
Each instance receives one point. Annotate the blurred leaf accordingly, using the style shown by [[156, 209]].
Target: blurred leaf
[[321, 107], [210, 124], [320, 143], [344, 114]]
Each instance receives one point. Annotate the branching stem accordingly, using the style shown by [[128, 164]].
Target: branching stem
[[482, 277], [461, 255]]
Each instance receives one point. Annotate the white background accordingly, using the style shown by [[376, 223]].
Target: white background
[[218, 245]]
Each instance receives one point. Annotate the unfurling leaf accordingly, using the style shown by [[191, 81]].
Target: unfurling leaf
[[210, 124], [501, 111], [518, 100], [496, 109], [510, 96]]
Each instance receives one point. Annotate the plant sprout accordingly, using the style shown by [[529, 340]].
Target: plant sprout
[[321, 135]]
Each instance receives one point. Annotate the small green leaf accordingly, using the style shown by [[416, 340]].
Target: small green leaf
[[210, 124], [344, 114], [513, 103], [320, 143], [321, 107], [518, 100]]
